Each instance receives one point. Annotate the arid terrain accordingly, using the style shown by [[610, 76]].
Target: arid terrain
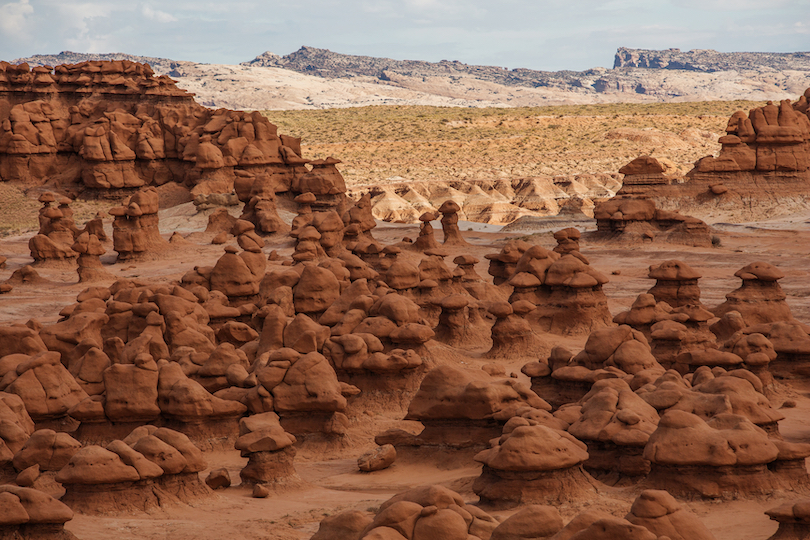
[[207, 331], [312, 78], [386, 146], [332, 483]]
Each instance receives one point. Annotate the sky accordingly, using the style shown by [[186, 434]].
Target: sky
[[534, 34]]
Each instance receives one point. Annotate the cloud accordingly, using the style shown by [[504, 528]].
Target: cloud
[[14, 17], [553, 34], [157, 15]]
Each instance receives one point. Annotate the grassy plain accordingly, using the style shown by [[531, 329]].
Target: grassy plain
[[399, 143]]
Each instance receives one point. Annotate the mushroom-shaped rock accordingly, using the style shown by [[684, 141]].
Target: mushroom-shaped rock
[[616, 424], [269, 451], [760, 299], [533, 464], [659, 512]]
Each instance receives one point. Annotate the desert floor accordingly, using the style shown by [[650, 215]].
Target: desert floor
[[332, 481]]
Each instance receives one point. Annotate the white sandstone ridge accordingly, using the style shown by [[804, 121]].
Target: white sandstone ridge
[[491, 201], [312, 78]]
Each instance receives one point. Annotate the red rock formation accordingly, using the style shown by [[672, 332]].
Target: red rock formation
[[726, 457], [645, 171], [359, 220], [793, 519], [150, 468], [533, 464], [426, 240], [422, 513], [637, 220], [760, 298], [32, 514], [502, 264], [566, 291], [461, 412], [614, 352], [659, 512], [90, 251], [105, 126], [452, 235], [615, 424], [135, 230], [676, 284], [762, 168], [269, 451], [56, 231], [259, 195]]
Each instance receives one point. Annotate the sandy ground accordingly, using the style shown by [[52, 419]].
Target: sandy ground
[[331, 480]]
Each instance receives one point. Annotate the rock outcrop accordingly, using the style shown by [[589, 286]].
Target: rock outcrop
[[760, 299], [269, 451], [633, 220], [113, 125], [533, 464], [31, 514], [460, 412], [150, 468], [422, 513], [725, 457], [762, 168]]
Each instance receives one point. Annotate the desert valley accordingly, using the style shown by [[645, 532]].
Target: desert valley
[[382, 300]]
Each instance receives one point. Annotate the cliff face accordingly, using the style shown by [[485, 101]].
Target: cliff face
[[762, 169], [114, 125], [709, 61]]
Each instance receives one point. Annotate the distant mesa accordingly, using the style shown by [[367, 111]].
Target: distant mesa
[[708, 60], [638, 75]]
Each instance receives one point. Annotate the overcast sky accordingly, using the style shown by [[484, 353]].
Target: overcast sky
[[536, 34]]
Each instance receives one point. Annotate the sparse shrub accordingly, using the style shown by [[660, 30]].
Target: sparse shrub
[[716, 242]]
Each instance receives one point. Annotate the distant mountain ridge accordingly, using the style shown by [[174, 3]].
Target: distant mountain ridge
[[313, 78], [328, 64], [709, 61], [70, 57]]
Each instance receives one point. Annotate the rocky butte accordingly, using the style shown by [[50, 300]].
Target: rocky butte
[[107, 128]]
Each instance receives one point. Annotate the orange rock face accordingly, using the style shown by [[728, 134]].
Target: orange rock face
[[103, 126]]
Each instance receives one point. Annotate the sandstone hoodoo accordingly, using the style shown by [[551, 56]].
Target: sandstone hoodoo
[[422, 513], [533, 464], [760, 299], [90, 250], [615, 424], [136, 231], [426, 239], [659, 512], [460, 412], [635, 220], [609, 353], [725, 457], [150, 468], [761, 169], [258, 193], [452, 235], [793, 518], [565, 290], [512, 335], [676, 283], [30, 513], [56, 231], [269, 451]]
